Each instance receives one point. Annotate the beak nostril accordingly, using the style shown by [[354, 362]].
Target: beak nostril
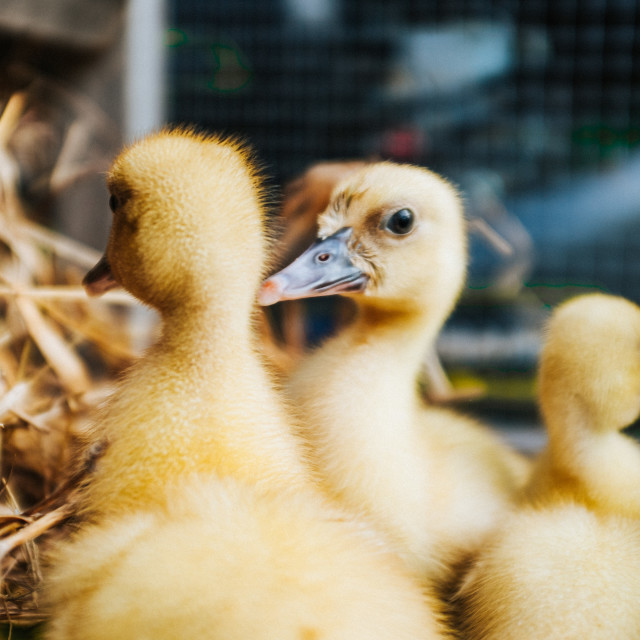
[[323, 257]]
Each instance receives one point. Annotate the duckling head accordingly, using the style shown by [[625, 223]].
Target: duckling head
[[181, 201], [590, 363], [392, 235]]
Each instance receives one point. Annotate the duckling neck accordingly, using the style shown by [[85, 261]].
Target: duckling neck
[[408, 332], [199, 402], [386, 348], [382, 349], [215, 351], [203, 331], [603, 464], [571, 429], [359, 397]]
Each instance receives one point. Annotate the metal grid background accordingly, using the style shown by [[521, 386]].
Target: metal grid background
[[552, 117]]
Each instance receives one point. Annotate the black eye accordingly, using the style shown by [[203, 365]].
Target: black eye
[[401, 222], [113, 203]]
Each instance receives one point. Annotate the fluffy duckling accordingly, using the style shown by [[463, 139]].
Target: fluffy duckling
[[589, 384], [204, 522], [393, 238], [568, 564], [227, 561], [207, 353], [563, 572], [304, 199]]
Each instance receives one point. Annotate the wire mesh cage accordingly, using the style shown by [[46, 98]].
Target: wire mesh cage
[[540, 93], [532, 108]]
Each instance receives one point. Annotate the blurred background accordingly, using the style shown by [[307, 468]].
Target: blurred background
[[532, 107]]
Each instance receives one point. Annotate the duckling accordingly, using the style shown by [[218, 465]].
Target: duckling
[[207, 351], [434, 482], [202, 519], [589, 382], [567, 564], [304, 198], [562, 572], [228, 561]]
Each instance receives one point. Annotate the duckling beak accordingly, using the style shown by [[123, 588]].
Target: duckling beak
[[100, 279], [324, 269]]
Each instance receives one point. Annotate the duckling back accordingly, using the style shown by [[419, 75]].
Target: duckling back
[[559, 573], [227, 562]]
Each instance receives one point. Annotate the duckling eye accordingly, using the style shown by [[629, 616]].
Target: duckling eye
[[113, 203], [401, 222]]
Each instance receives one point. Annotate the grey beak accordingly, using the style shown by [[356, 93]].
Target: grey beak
[[99, 279], [324, 269]]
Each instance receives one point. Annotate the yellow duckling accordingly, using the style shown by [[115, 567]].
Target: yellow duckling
[[205, 524], [393, 238], [228, 561], [568, 564], [207, 353], [589, 391], [563, 572]]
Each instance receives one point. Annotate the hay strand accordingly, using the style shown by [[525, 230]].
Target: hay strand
[[60, 353]]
